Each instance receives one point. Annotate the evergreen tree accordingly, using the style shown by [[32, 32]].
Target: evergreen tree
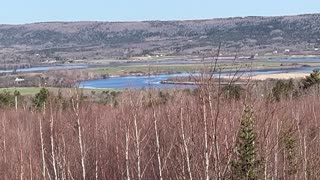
[[311, 80], [16, 93], [232, 91], [40, 98], [282, 89], [246, 166], [289, 143], [6, 99]]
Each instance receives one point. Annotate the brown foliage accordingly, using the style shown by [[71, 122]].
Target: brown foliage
[[120, 142]]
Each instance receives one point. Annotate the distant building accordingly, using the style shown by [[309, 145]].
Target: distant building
[[287, 50], [18, 80], [316, 49]]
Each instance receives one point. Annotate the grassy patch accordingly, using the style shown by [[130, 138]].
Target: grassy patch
[[152, 69], [172, 68], [31, 91], [25, 91]]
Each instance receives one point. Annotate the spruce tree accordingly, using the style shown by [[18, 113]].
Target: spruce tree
[[246, 166], [40, 98], [313, 79], [290, 153]]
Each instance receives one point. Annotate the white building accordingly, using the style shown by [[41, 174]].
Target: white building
[[18, 80]]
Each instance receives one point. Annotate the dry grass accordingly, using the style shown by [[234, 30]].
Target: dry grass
[[279, 76], [284, 76]]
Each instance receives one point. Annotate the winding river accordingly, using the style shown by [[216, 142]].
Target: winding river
[[155, 80], [46, 68]]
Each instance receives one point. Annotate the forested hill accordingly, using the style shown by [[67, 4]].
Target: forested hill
[[122, 39]]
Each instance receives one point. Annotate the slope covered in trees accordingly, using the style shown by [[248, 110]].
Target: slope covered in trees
[[244, 35]]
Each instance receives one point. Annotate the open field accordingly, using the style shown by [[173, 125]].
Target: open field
[[152, 69], [174, 68], [31, 91], [284, 76]]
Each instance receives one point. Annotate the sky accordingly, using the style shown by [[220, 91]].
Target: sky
[[29, 11]]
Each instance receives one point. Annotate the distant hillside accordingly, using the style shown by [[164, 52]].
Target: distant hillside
[[95, 40]]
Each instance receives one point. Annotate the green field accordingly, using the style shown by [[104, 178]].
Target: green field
[[152, 69], [31, 91], [173, 68]]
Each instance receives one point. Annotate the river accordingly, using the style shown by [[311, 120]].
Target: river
[[46, 68], [154, 81]]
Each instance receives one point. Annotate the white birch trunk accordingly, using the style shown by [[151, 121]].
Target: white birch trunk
[[186, 149], [158, 146]]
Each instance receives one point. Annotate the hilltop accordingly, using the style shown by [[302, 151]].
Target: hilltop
[[63, 41]]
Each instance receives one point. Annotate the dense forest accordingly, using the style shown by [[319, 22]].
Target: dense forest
[[268, 131]]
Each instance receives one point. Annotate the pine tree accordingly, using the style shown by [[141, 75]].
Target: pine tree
[[282, 89], [290, 152], [311, 80], [40, 98], [246, 166]]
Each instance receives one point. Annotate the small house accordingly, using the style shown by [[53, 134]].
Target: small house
[[18, 80]]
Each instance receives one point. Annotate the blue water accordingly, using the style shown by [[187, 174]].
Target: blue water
[[45, 68], [133, 82], [273, 71], [155, 81], [295, 60], [282, 60]]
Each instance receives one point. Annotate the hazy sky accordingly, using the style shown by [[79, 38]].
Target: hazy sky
[[27, 11]]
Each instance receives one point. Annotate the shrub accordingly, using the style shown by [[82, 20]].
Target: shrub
[[232, 91], [282, 89], [312, 79], [6, 99]]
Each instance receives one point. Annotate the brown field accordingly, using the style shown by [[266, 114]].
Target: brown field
[[284, 76]]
